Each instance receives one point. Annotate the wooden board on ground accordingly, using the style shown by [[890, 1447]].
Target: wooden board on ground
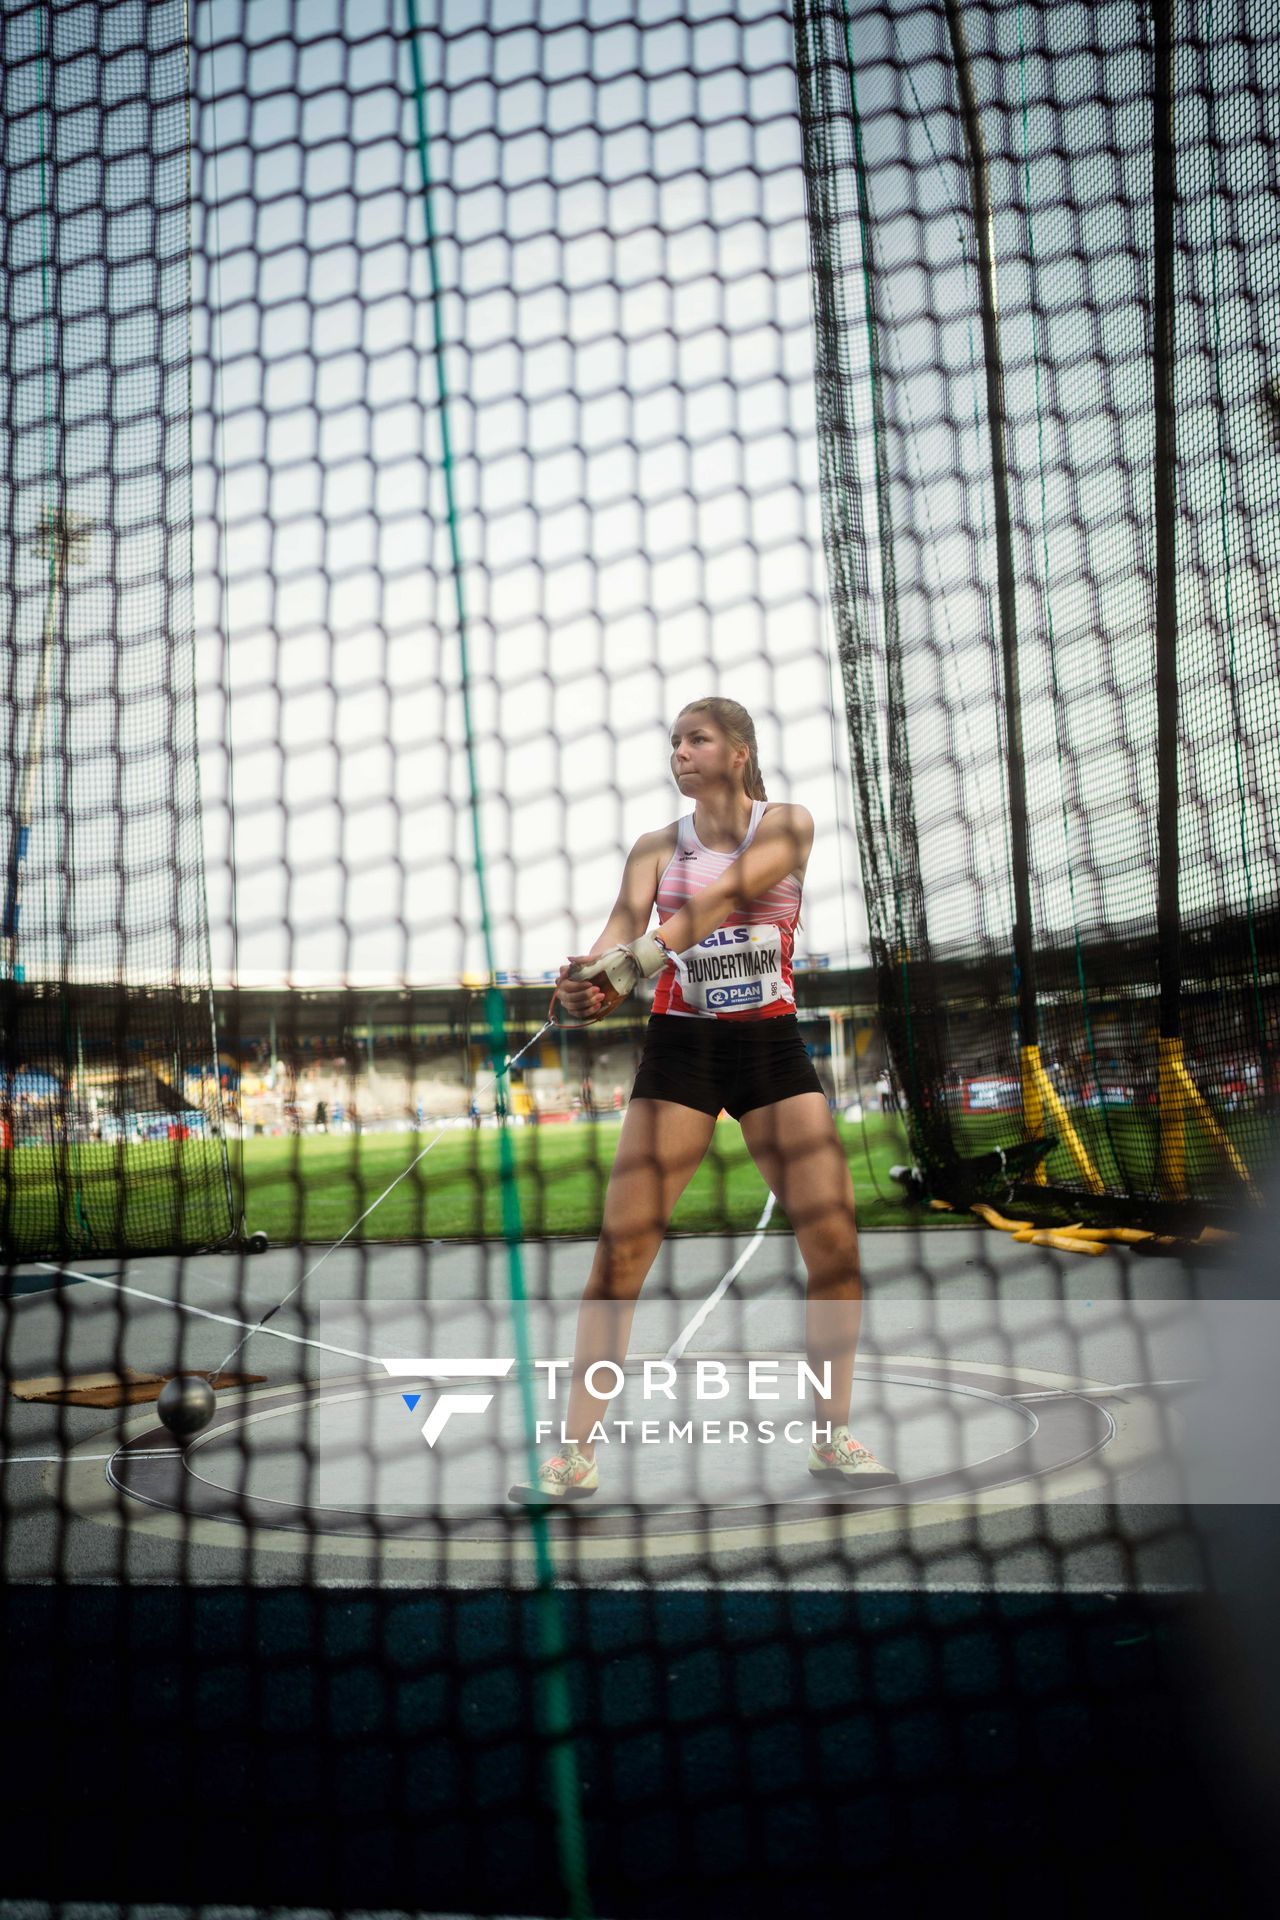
[[126, 1388]]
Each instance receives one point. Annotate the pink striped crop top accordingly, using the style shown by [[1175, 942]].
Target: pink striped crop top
[[741, 971]]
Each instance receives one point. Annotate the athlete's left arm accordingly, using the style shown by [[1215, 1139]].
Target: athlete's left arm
[[783, 842]]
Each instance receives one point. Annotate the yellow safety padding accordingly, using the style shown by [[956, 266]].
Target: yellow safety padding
[[1040, 1098], [1213, 1127], [1178, 1092], [994, 1219], [1065, 1242], [1118, 1236], [1032, 1106], [1171, 1150]]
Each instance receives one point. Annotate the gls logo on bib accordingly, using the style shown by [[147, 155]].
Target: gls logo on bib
[[733, 967]]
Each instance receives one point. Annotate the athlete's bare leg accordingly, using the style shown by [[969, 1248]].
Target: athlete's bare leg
[[659, 1152], [795, 1145]]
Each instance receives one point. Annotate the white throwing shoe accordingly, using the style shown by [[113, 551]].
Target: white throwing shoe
[[567, 1475], [854, 1464]]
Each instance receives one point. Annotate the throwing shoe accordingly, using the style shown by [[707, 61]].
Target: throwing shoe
[[565, 1476], [841, 1457]]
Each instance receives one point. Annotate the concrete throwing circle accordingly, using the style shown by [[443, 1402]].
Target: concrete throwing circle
[[283, 1466]]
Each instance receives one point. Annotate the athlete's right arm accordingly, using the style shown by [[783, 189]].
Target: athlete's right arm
[[632, 911]]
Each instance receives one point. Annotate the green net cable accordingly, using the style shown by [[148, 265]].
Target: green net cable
[[558, 1721], [233, 1186]]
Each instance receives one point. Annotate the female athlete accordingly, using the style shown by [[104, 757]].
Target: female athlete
[[726, 881]]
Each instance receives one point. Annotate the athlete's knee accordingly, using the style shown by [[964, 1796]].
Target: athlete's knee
[[830, 1247], [621, 1266]]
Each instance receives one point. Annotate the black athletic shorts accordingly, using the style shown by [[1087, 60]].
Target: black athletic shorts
[[734, 1064]]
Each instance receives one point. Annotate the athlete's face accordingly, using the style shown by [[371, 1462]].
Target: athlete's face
[[703, 756]]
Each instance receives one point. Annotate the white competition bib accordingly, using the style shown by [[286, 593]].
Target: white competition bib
[[733, 969]]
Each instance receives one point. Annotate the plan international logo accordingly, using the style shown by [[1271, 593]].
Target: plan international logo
[[658, 1381]]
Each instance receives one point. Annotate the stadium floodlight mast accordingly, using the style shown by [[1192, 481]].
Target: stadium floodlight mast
[[1040, 1100], [61, 538]]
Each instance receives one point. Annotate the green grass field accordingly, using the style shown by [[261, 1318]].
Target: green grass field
[[313, 1187]]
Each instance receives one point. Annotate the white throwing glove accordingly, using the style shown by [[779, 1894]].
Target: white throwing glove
[[621, 967]]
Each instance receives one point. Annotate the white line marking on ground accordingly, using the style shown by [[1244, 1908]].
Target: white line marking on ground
[[261, 1326], [57, 1459], [49, 1459], [1104, 1393], [682, 1339], [224, 1319]]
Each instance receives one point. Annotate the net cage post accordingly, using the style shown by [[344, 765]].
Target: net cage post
[[1178, 1096], [1171, 1164], [897, 909], [1041, 1104]]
